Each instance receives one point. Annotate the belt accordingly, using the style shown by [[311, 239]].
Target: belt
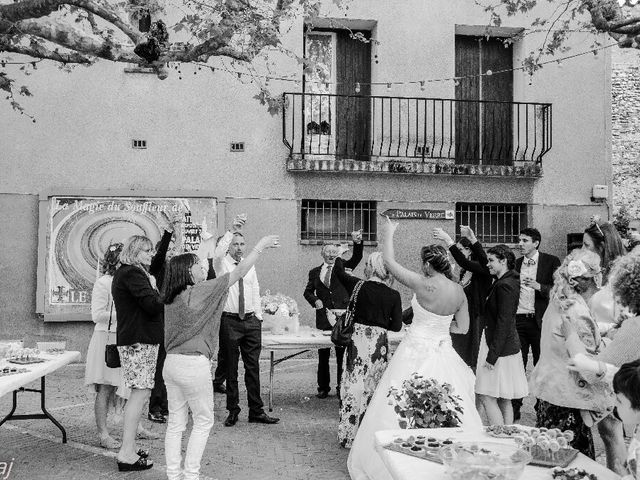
[[235, 315], [525, 315]]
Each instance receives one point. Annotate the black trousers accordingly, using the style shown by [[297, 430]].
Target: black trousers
[[529, 334], [220, 374], [324, 373], [242, 338], [158, 399]]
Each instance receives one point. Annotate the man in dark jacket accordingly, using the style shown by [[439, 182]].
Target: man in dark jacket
[[324, 291], [536, 271]]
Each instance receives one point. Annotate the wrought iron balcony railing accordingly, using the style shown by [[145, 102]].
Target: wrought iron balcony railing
[[447, 133]]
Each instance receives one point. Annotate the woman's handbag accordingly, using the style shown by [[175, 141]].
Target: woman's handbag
[[343, 329], [111, 355]]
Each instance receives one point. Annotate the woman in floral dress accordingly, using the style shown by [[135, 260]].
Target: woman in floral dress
[[378, 308]]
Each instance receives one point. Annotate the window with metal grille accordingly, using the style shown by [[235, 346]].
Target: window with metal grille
[[336, 219], [493, 222]]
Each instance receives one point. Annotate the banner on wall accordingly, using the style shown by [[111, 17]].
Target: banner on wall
[[80, 228]]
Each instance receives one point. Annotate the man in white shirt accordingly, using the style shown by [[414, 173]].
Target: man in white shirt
[[241, 333]]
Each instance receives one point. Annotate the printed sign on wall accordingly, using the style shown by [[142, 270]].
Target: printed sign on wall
[[80, 229]]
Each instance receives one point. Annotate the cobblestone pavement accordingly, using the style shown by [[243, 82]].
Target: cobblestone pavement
[[302, 446]]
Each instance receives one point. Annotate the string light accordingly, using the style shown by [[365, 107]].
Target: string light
[[357, 87], [456, 82], [293, 78]]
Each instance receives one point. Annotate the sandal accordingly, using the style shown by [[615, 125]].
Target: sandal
[[140, 464], [107, 441], [143, 453]]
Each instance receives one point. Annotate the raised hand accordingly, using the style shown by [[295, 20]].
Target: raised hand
[[356, 236], [440, 234], [238, 222], [391, 226], [466, 231], [270, 241]]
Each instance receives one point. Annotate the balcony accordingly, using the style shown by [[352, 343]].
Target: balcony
[[327, 132]]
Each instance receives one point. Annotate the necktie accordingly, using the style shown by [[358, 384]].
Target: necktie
[[327, 276], [240, 298]]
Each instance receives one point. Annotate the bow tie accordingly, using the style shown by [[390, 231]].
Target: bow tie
[[530, 261]]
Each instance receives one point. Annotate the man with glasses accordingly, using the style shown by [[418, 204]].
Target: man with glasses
[[536, 279]]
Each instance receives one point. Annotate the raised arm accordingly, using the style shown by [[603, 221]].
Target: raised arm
[[157, 262], [349, 281], [270, 241], [358, 246], [461, 260], [405, 276]]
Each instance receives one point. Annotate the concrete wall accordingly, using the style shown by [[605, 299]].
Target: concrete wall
[[86, 120]]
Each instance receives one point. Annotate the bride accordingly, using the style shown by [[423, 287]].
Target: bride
[[439, 307]]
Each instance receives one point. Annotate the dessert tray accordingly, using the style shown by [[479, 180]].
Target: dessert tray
[[549, 447], [419, 446]]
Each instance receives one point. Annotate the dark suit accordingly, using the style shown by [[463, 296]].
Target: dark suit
[[499, 314], [334, 296], [530, 327], [467, 345]]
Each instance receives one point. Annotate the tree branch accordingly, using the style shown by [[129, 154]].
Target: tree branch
[[75, 39], [33, 9], [41, 52]]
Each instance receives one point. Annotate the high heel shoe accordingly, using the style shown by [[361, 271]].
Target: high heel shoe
[[140, 464]]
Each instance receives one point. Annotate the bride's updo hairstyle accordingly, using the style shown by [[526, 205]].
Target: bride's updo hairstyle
[[437, 257]]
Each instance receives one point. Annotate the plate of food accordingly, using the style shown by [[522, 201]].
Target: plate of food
[[506, 431], [572, 474], [419, 446]]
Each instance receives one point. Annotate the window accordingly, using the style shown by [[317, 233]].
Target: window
[[336, 219], [493, 222]]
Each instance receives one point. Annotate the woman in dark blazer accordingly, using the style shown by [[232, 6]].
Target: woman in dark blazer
[[140, 332], [500, 371]]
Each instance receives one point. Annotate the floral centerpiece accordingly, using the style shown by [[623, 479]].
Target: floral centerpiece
[[425, 403], [279, 313]]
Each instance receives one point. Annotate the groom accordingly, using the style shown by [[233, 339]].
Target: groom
[[323, 291]]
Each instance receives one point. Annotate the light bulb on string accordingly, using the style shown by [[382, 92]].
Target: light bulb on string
[[422, 85], [456, 82], [489, 72], [559, 63], [389, 86], [357, 87]]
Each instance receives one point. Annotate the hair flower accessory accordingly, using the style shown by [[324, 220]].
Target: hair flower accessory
[[577, 268]]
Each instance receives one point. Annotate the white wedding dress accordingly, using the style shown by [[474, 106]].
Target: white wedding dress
[[425, 349]]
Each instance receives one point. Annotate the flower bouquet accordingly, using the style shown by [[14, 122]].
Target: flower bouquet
[[425, 403], [279, 313]]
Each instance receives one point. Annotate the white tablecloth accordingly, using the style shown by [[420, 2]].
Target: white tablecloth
[[406, 467], [53, 362], [309, 339]]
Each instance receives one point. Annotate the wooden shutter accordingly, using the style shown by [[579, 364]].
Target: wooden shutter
[[353, 122], [490, 122]]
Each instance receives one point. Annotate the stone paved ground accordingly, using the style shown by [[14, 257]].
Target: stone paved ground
[[303, 446]]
